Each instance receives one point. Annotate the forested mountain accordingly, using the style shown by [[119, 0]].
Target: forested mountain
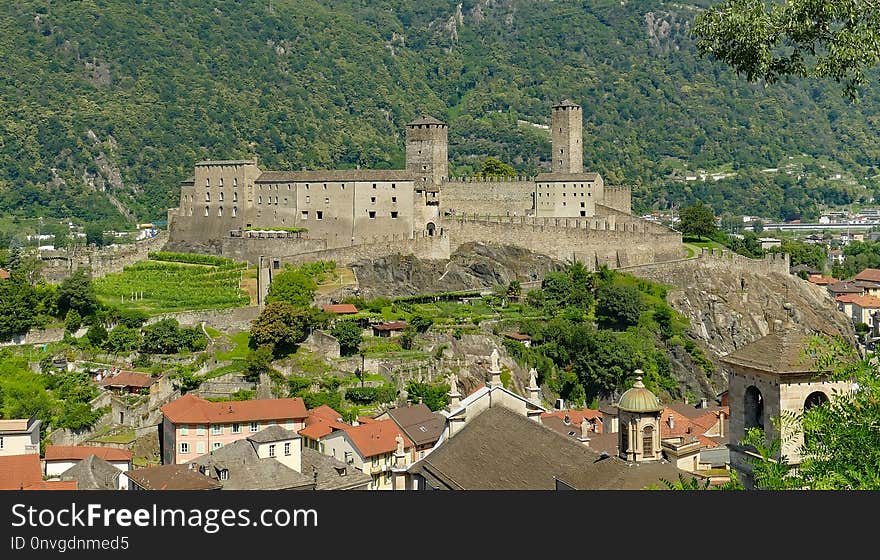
[[106, 104]]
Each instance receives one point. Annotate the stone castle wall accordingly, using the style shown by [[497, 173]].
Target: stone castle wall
[[616, 198], [58, 265], [225, 320], [469, 195], [435, 247], [606, 241], [717, 261]]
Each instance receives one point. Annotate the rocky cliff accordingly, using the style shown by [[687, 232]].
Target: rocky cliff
[[474, 266]]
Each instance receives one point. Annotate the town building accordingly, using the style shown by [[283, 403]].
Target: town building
[[192, 426], [170, 477], [128, 382], [389, 329], [370, 448], [59, 458], [23, 472], [417, 422], [863, 309], [94, 473], [20, 436]]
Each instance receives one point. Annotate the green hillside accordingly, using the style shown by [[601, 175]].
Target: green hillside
[[106, 104]]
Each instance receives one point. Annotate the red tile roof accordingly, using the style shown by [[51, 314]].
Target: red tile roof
[[869, 274], [23, 472], [847, 298], [377, 438], [79, 452], [326, 412], [517, 336], [190, 409], [866, 302], [340, 308], [822, 280], [128, 379]]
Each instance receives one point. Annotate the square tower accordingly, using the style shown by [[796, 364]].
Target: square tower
[[566, 125], [771, 378], [427, 152]]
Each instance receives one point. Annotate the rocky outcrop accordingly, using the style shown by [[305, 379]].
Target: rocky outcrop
[[474, 266]]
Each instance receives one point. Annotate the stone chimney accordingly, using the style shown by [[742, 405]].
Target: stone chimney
[[704, 403], [721, 417], [670, 421], [399, 454], [494, 370], [398, 471]]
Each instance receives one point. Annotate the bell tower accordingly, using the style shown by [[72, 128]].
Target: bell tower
[[566, 126]]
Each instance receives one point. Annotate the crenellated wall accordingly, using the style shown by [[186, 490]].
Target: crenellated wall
[[609, 241], [722, 261]]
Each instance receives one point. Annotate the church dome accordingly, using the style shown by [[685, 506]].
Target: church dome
[[639, 399]]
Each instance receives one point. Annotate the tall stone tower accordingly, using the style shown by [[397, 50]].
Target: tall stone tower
[[566, 125], [427, 153]]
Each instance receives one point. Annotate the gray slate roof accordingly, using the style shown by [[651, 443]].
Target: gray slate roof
[[273, 433], [418, 422], [247, 471], [425, 119], [93, 473], [503, 450], [781, 353], [333, 474]]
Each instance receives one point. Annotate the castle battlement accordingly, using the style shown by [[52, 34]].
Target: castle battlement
[[476, 179], [600, 223]]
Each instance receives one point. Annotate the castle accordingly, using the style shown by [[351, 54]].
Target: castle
[[236, 209]]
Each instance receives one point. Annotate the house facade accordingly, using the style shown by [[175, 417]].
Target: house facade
[[370, 448], [192, 426], [19, 436]]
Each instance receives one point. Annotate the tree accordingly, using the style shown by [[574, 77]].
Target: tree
[[72, 321], [837, 39], [94, 234], [77, 292], [97, 334], [697, 220], [166, 337], [281, 326], [757, 226], [122, 339], [349, 334], [494, 167], [293, 286], [618, 306], [257, 362], [421, 323], [434, 396], [408, 337]]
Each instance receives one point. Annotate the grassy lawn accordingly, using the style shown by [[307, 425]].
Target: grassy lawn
[[240, 340], [338, 278], [114, 435], [159, 287]]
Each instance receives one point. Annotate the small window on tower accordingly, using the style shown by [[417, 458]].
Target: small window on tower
[[305, 214], [372, 214], [319, 215], [393, 215]]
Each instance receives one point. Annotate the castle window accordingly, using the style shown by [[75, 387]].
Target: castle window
[[326, 200], [234, 211], [221, 181], [234, 182], [288, 186], [372, 214], [374, 185], [207, 210], [393, 215], [220, 211], [319, 215], [308, 199], [424, 168], [234, 196], [285, 200], [372, 200], [325, 186], [393, 186], [582, 204], [260, 199], [207, 182], [583, 213], [207, 197], [307, 186], [393, 200], [305, 214], [221, 196]]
